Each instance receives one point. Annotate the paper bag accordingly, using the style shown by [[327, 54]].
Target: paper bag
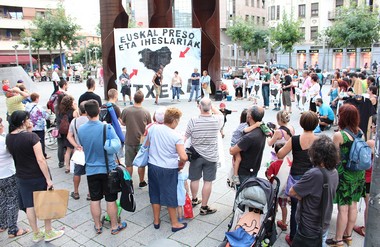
[[50, 204]]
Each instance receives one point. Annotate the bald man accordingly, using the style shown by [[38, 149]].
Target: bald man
[[203, 131]]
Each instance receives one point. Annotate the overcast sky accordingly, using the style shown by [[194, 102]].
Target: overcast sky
[[85, 12]]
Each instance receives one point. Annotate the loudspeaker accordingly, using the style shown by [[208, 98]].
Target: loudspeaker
[[218, 95]]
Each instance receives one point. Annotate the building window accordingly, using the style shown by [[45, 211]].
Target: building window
[[278, 12], [246, 2], [253, 3], [263, 21], [258, 20], [313, 33], [302, 31], [301, 10], [246, 17], [272, 12], [253, 19], [339, 3], [314, 9], [182, 13], [258, 3]]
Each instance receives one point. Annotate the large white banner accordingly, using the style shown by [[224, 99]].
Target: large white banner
[[144, 50]]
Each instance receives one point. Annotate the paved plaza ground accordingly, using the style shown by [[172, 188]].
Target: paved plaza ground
[[202, 231]]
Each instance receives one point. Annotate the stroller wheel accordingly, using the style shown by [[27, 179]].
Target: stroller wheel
[[103, 219]]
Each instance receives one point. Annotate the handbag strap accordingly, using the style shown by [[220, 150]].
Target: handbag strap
[[104, 142], [324, 195]]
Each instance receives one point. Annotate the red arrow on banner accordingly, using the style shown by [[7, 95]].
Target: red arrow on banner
[[182, 53], [134, 72]]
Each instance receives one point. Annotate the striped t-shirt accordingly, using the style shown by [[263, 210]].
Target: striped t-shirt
[[203, 131]]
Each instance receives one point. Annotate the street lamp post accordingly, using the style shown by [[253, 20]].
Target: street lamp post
[[30, 55], [230, 46], [15, 47]]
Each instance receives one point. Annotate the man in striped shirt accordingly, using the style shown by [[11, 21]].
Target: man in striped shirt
[[203, 131]]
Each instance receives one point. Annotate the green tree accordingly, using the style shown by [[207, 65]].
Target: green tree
[[287, 34], [355, 26], [240, 32], [258, 40], [57, 30], [79, 57], [36, 42]]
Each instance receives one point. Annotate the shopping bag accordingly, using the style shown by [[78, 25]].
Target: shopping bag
[[50, 204], [78, 157], [188, 208]]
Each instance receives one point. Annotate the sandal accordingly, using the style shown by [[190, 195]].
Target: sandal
[[67, 171], [359, 230], [98, 230], [75, 196], [347, 240], [19, 233], [119, 228], [3, 229], [332, 242], [88, 197]]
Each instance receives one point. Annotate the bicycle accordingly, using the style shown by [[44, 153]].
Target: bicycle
[[51, 140]]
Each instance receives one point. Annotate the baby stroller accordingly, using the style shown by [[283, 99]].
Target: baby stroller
[[253, 222]]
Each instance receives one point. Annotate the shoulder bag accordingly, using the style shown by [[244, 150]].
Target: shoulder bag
[[141, 159], [300, 239], [113, 179]]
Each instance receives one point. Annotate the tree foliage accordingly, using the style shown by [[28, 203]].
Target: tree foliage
[[258, 40], [80, 57], [287, 33], [57, 29], [355, 26], [36, 41], [240, 32]]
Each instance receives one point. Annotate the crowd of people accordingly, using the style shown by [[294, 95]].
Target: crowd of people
[[350, 110]]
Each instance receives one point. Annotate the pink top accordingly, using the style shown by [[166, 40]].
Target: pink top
[[306, 85]]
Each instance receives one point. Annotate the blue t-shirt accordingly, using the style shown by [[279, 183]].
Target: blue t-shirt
[[163, 151], [333, 94], [195, 82], [325, 110], [91, 137]]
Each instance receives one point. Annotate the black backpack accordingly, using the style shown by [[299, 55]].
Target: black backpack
[[104, 115], [127, 200]]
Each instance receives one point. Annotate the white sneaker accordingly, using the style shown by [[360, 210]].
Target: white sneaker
[[53, 234]]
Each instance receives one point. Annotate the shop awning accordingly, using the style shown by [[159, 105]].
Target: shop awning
[[22, 59]]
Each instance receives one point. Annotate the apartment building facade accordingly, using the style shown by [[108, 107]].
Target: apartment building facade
[[15, 17], [253, 11], [315, 16]]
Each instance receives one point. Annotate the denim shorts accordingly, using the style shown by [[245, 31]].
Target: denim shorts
[[79, 170]]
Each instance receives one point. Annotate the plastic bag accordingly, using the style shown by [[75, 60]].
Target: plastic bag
[[188, 208]]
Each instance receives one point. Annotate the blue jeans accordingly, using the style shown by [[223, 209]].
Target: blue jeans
[[196, 89], [265, 91], [176, 91]]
